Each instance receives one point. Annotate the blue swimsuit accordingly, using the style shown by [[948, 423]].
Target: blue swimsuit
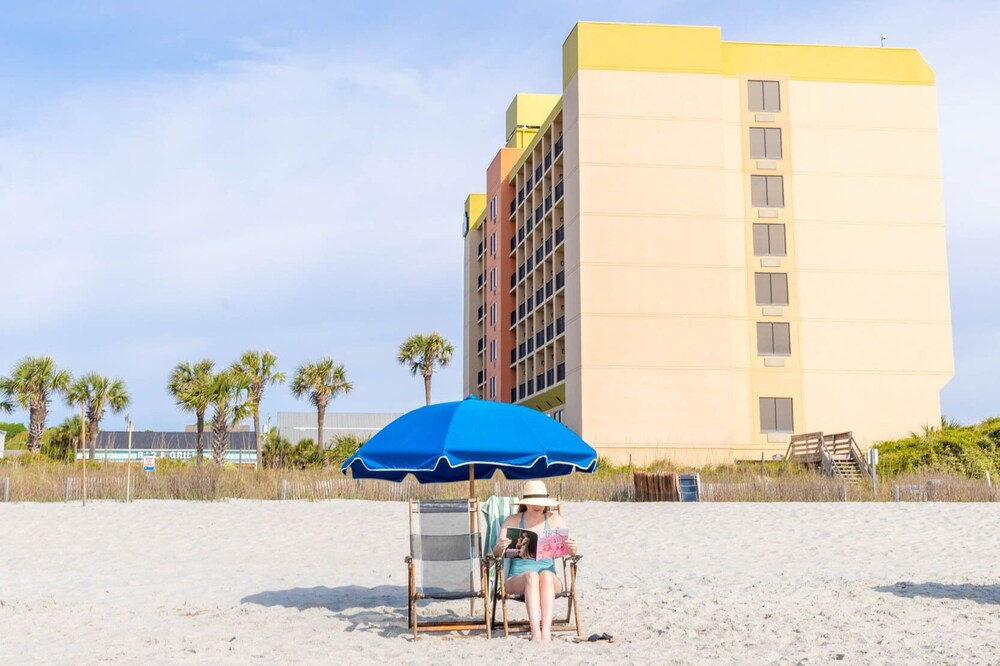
[[520, 565]]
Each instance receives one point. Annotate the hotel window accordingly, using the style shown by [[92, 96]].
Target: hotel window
[[767, 191], [773, 339], [493, 315], [493, 387], [771, 288], [769, 240], [493, 350], [493, 208], [493, 244], [765, 143], [776, 415], [493, 279], [764, 96]]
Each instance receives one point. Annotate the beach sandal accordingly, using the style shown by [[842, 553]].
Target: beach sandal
[[593, 638]]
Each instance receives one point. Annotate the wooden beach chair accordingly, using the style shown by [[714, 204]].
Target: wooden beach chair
[[499, 594], [445, 562]]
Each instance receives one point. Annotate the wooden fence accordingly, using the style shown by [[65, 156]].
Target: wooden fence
[[64, 483]]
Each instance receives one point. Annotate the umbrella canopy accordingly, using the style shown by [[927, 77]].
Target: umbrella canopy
[[447, 441]]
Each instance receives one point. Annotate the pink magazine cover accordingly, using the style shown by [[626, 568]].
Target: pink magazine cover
[[526, 544]]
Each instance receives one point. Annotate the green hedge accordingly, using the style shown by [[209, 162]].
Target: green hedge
[[12, 429], [970, 450]]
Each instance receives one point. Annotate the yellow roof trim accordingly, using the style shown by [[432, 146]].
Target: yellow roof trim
[[475, 208], [700, 50], [534, 141]]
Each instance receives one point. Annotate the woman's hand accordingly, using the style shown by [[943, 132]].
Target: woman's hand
[[571, 545], [502, 544]]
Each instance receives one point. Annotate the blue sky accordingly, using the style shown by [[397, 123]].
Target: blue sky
[[185, 180]]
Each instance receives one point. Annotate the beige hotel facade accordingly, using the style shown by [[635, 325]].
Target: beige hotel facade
[[701, 247]]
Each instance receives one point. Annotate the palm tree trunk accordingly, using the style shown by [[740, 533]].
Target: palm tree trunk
[[200, 446], [427, 388], [92, 436], [36, 426], [256, 431], [220, 438], [320, 414]]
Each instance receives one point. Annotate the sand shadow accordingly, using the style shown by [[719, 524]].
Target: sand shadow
[[380, 609], [335, 599], [981, 594]]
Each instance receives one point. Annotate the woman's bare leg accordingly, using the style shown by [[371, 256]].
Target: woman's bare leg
[[548, 586], [527, 584]]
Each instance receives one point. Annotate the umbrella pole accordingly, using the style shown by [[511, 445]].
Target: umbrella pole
[[472, 530]]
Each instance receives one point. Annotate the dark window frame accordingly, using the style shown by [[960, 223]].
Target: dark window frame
[[774, 338], [776, 415]]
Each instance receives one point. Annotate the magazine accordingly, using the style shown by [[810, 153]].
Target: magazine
[[530, 545]]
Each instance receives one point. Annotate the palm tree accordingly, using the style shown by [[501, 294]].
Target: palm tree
[[30, 386], [189, 384], [59, 443], [422, 353], [257, 370], [228, 393], [97, 393], [323, 381]]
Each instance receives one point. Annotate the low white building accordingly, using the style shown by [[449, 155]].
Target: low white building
[[296, 426]]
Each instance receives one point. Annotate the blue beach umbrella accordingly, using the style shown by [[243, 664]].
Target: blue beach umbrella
[[471, 439]]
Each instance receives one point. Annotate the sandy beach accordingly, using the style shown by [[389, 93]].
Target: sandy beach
[[323, 582]]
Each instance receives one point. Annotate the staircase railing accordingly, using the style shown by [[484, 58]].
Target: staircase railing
[[859, 458], [825, 451], [810, 449], [843, 447]]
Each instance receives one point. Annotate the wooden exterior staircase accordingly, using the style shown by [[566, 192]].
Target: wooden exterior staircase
[[837, 455]]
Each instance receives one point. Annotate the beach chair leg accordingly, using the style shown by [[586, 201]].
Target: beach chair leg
[[410, 588], [503, 607], [413, 614], [506, 626], [496, 595], [486, 603], [572, 600]]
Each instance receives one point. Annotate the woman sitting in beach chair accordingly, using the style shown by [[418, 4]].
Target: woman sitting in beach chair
[[535, 579]]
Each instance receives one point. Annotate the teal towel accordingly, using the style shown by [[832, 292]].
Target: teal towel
[[495, 511]]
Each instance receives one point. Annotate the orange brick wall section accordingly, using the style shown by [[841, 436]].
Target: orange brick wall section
[[497, 186]]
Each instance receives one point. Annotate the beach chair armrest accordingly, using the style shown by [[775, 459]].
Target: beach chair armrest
[[573, 559]]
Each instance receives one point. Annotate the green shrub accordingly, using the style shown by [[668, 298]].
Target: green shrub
[[969, 450], [13, 429], [18, 441], [58, 442], [276, 452], [307, 453], [344, 446]]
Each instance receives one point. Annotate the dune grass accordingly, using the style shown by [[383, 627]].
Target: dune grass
[[35, 479]]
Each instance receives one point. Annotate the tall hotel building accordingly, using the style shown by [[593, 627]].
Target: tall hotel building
[[701, 247]]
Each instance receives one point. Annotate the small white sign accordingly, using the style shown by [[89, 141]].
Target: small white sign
[[148, 462], [873, 457]]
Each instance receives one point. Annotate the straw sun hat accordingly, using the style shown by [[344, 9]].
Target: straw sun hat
[[535, 493]]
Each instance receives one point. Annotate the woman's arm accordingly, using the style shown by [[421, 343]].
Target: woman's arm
[[502, 540]]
